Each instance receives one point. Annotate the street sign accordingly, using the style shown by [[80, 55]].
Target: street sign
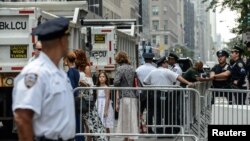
[[246, 37]]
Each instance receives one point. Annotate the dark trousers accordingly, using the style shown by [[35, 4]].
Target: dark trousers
[[169, 111], [240, 98], [149, 105], [78, 127]]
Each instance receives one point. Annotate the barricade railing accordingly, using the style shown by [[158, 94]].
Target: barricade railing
[[160, 110], [202, 88], [227, 107]]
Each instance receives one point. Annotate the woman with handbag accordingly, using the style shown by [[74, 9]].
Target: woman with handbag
[[92, 121], [126, 100]]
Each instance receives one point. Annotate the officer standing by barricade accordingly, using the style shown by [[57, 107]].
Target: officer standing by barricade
[[165, 100], [174, 66], [43, 102], [223, 82], [238, 73], [146, 97]]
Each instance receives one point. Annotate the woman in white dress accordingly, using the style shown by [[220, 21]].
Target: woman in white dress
[[103, 102]]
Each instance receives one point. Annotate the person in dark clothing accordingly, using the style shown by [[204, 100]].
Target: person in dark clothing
[[74, 76], [72, 73], [193, 74], [223, 83], [238, 74]]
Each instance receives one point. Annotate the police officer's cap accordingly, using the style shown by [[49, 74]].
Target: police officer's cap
[[222, 53], [172, 55], [237, 49], [148, 55], [52, 29], [161, 60]]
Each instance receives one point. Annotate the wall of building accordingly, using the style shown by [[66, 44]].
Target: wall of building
[[166, 22]]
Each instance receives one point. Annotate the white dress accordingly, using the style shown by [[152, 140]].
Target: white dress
[[108, 121]]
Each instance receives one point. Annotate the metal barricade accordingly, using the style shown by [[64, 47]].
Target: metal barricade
[[202, 88], [227, 107], [167, 112]]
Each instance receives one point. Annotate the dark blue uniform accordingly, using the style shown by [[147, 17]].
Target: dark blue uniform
[[217, 69], [223, 83], [238, 73], [248, 69]]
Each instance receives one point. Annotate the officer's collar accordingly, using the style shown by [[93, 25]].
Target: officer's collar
[[48, 61]]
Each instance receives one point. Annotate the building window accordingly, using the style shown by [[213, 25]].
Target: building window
[[158, 39], [153, 39], [166, 39], [155, 24], [155, 10], [165, 24]]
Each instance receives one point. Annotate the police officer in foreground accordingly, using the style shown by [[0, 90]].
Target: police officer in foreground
[[43, 102], [238, 73], [223, 66]]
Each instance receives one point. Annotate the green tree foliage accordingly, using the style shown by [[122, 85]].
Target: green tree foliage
[[240, 6]]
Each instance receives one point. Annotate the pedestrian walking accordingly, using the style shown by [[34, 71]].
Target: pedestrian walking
[[103, 102], [126, 100], [43, 103]]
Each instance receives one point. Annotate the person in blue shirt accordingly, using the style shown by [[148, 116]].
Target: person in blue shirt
[[72, 73]]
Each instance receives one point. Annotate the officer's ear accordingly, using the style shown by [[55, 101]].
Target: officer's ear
[[62, 40]]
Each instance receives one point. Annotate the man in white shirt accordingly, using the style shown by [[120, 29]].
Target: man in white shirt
[[43, 103], [163, 76], [174, 66], [37, 47], [142, 72]]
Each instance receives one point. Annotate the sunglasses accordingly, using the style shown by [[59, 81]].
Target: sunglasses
[[39, 49]]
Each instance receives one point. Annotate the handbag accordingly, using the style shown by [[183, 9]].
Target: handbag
[[136, 83], [84, 103]]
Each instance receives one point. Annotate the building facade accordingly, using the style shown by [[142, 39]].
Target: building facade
[[189, 24], [166, 24], [203, 36]]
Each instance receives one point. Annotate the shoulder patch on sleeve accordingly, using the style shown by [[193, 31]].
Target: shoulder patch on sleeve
[[240, 64], [175, 69], [30, 79]]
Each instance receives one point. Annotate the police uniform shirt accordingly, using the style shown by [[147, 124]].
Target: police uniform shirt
[[238, 72], [217, 69], [144, 70], [177, 69], [46, 90], [161, 76]]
